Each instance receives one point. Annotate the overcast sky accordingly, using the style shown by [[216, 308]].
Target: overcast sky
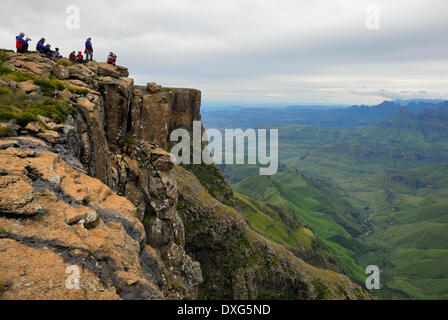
[[282, 51]]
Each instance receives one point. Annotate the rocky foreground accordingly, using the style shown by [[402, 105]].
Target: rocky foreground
[[99, 191]]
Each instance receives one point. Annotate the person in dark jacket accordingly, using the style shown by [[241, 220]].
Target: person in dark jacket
[[89, 49], [22, 43], [57, 54], [41, 47]]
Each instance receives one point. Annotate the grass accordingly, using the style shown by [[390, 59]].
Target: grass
[[16, 106], [20, 108], [65, 62], [319, 206], [266, 220]]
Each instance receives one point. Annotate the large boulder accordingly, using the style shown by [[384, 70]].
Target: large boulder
[[81, 72], [108, 70], [61, 72]]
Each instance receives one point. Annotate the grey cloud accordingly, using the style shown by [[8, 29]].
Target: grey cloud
[[254, 49]]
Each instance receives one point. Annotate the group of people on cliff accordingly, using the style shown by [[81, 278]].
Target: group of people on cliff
[[22, 45]]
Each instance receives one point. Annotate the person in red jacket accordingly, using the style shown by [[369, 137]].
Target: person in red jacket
[[112, 58], [22, 43], [73, 57], [80, 57]]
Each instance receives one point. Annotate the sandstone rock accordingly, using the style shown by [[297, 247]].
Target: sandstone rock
[[108, 70], [28, 86], [49, 136], [17, 197], [36, 253], [164, 161], [153, 87], [82, 214], [5, 144], [85, 104], [61, 72], [151, 114], [33, 64], [81, 72], [117, 96], [33, 127], [56, 127], [123, 71], [93, 66]]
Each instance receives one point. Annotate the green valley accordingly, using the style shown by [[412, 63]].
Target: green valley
[[375, 194]]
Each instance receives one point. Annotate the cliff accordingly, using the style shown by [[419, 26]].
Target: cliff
[[86, 181]]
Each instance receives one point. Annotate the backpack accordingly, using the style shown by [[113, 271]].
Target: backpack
[[19, 44]]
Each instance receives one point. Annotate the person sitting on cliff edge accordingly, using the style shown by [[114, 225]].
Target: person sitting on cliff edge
[[57, 54], [41, 47], [80, 57], [73, 57], [21, 43], [112, 59]]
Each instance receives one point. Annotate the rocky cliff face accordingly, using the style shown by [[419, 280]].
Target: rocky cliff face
[[100, 192]]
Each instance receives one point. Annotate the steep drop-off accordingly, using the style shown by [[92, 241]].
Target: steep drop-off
[[96, 188]]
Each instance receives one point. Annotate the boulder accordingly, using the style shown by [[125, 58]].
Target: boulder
[[33, 127], [61, 72], [153, 87], [49, 136], [93, 66], [108, 70], [81, 72], [123, 71], [83, 215]]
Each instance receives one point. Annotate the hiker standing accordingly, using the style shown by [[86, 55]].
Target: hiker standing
[[21, 43], [89, 49]]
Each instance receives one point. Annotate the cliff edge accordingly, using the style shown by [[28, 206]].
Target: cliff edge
[[87, 185]]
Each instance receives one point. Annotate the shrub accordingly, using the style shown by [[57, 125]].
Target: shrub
[[49, 86], [129, 140], [15, 105], [5, 132], [65, 62]]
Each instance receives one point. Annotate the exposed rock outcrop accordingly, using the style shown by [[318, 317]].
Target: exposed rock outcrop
[[101, 192]]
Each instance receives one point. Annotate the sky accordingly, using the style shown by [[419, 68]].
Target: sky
[[256, 51]]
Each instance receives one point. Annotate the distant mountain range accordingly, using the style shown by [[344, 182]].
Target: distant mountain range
[[239, 117]]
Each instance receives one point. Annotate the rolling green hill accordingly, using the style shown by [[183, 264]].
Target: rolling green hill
[[375, 194], [319, 206]]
